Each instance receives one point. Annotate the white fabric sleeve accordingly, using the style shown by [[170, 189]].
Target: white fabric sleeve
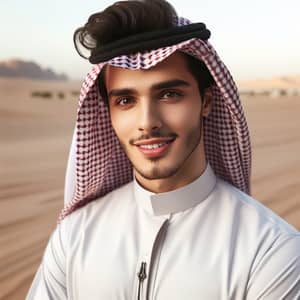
[[50, 280], [277, 274]]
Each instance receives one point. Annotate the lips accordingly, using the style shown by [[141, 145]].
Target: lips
[[154, 141], [154, 147]]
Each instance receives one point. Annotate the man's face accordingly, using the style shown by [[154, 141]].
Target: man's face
[[156, 114]]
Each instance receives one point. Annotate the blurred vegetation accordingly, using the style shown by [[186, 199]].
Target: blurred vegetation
[[42, 94], [49, 94]]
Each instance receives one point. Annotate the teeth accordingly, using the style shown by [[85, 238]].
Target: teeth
[[153, 146]]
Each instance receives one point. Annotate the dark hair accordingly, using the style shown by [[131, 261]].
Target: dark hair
[[122, 19], [126, 18]]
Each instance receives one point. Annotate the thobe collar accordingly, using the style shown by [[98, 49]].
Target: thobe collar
[[177, 200]]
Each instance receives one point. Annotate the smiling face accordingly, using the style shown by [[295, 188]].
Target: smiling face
[[157, 115]]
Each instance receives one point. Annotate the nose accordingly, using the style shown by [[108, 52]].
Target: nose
[[149, 117]]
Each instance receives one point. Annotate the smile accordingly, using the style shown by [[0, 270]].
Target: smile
[[154, 146], [154, 150]]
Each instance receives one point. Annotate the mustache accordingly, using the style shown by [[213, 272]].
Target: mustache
[[151, 136]]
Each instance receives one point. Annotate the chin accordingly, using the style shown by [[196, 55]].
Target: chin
[[155, 173]]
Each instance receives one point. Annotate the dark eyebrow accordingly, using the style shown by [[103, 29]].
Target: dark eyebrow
[[169, 84], [157, 86], [121, 92]]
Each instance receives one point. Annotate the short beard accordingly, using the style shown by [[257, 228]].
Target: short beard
[[156, 171]]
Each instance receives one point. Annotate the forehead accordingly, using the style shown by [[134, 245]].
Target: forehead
[[173, 67]]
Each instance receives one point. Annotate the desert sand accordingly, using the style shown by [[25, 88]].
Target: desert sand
[[35, 135]]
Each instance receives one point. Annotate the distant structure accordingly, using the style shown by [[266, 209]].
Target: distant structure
[[272, 93], [26, 69], [273, 88]]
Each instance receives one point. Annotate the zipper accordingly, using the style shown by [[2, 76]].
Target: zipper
[[142, 275], [155, 254]]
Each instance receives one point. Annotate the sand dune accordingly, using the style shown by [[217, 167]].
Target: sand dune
[[35, 137]]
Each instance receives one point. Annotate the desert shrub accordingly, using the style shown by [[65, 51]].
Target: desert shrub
[[60, 95], [42, 94], [75, 93]]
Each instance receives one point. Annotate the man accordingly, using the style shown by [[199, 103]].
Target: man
[[158, 175]]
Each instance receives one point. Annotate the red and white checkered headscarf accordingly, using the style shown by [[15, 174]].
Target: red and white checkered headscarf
[[97, 163]]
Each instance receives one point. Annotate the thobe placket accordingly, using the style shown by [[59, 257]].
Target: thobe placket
[[148, 264]]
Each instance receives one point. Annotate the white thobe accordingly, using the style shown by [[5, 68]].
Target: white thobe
[[207, 240]]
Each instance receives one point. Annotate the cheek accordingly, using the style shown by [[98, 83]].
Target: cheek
[[181, 117], [123, 124]]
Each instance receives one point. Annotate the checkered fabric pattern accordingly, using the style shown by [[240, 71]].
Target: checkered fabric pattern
[[101, 164]]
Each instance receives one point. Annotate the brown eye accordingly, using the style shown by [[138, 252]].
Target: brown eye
[[124, 101], [170, 94]]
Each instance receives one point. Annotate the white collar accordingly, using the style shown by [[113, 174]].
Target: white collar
[[177, 200]]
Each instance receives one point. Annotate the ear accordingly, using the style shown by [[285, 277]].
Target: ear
[[207, 101]]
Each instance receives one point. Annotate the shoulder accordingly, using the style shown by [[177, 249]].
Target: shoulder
[[111, 206], [119, 197], [265, 240], [254, 213]]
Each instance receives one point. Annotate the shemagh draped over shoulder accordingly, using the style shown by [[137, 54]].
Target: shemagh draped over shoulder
[[97, 163]]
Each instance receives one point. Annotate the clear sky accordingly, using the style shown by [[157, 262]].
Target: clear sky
[[255, 39]]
